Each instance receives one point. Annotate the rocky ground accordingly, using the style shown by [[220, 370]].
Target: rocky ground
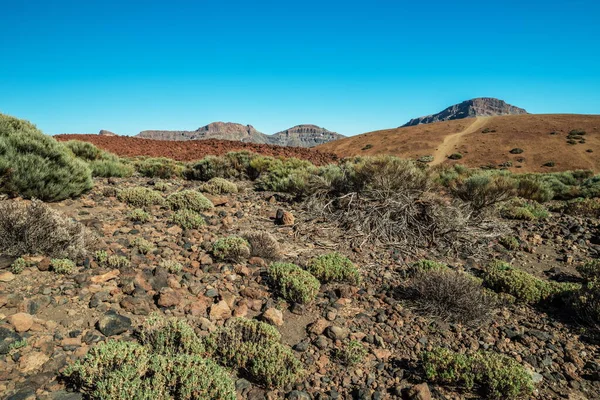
[[57, 318]]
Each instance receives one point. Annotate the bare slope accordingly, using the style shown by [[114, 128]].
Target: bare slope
[[543, 139]]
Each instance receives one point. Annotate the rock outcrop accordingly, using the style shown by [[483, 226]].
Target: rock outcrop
[[104, 132], [304, 136], [479, 107]]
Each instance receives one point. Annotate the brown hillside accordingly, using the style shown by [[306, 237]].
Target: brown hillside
[[532, 133]]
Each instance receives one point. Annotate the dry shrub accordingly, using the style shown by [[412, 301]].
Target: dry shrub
[[35, 228], [484, 189], [262, 244], [450, 295]]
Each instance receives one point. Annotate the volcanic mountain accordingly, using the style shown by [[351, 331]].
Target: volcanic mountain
[[479, 107], [297, 136]]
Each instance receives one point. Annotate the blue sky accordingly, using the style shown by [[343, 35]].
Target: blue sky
[[81, 66]]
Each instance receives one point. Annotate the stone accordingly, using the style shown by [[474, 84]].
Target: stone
[[168, 298], [112, 324], [22, 322], [283, 217], [105, 277], [6, 276], [337, 333], [273, 316], [32, 361], [418, 392], [298, 395], [220, 311]]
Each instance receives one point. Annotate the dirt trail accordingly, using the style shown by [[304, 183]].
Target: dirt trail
[[450, 141]]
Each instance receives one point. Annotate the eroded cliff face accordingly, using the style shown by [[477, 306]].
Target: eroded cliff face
[[304, 136], [479, 107]]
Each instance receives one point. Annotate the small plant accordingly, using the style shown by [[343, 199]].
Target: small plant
[[425, 159], [455, 156], [262, 244], [101, 257], [170, 336], [426, 266], [62, 266], [590, 270], [524, 210], [509, 242], [189, 200], [583, 207], [139, 215], [504, 278], [352, 353], [232, 248], [161, 186], [140, 196], [549, 164], [484, 189], [142, 245], [19, 344], [255, 348], [18, 266], [293, 283], [367, 147], [118, 262], [188, 219], [333, 267], [495, 375], [171, 266], [219, 186], [516, 150], [164, 168]]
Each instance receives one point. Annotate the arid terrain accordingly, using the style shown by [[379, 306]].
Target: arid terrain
[[488, 141]]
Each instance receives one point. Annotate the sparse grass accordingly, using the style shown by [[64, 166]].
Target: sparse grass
[[333, 267], [231, 248], [496, 376], [262, 244], [189, 200], [140, 196], [188, 219], [293, 283], [139, 215], [62, 266]]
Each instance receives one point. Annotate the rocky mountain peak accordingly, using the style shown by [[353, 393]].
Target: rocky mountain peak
[[104, 132]]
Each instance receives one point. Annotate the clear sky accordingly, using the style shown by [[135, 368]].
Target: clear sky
[[352, 67]]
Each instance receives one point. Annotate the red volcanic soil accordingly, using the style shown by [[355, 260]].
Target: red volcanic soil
[[126, 146]]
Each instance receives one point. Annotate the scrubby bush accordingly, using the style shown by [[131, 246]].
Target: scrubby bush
[[189, 200], [333, 267], [213, 167], [583, 207], [262, 244], [126, 370], [188, 219], [139, 215], [219, 186], [84, 150], [18, 266], [504, 278], [35, 228], [495, 375], [232, 248], [142, 245], [102, 163], [450, 295], [516, 150], [534, 189], [589, 270], [110, 168], [62, 266], [118, 262], [289, 176], [352, 353], [255, 348], [425, 159], [509, 242], [455, 156], [161, 186], [426, 266], [164, 168], [293, 283], [524, 210], [140, 196], [171, 266], [484, 189], [170, 336], [33, 165], [101, 257]]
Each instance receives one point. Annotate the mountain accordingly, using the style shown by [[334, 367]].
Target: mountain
[[104, 132], [304, 136], [479, 107], [522, 143], [297, 136]]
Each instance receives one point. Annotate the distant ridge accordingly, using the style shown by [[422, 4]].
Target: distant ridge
[[478, 107], [305, 135]]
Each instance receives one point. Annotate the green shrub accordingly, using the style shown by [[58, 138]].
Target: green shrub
[[110, 168], [171, 266], [125, 370], [102, 163], [504, 278], [161, 186], [140, 196], [262, 244], [524, 210], [170, 336], [101, 257], [496, 376], [509, 242], [534, 189], [232, 248], [35, 228], [18, 266], [219, 186], [214, 167], [293, 283], [583, 207], [164, 168], [33, 165], [590, 270], [484, 189], [426, 266], [142, 245], [455, 156], [84, 150], [352, 353], [188, 219], [425, 159], [255, 348], [62, 266], [289, 176], [333, 267], [118, 262], [189, 200], [139, 215]]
